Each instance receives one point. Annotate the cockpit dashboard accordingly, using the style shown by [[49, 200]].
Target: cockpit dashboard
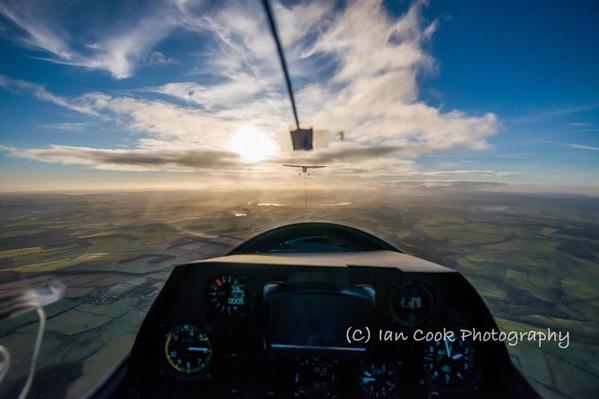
[[266, 321]]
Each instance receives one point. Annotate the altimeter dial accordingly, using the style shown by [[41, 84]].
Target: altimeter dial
[[227, 294]]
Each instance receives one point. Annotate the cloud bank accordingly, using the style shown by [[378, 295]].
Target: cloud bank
[[134, 159]]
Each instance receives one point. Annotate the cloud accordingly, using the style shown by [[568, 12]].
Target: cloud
[[514, 155], [341, 152], [553, 113], [235, 92], [130, 160], [355, 69], [170, 125], [242, 41], [580, 124], [373, 95], [18, 86], [468, 172], [582, 147], [113, 46], [461, 185], [68, 126], [38, 35], [157, 58]]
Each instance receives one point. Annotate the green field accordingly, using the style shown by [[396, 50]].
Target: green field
[[533, 258]]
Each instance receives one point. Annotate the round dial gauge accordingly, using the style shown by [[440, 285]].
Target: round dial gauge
[[227, 294], [379, 380], [447, 362], [411, 304], [187, 349]]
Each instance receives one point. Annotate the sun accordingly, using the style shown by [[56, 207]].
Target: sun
[[253, 145]]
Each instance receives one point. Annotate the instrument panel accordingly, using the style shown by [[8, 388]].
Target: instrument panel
[[249, 330]]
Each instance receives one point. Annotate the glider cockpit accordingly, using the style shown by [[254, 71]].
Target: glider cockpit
[[315, 310]]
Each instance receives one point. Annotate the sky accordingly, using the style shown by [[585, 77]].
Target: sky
[[185, 93]]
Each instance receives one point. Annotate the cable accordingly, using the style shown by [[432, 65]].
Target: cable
[[19, 303], [5, 362], [275, 35], [36, 351], [306, 194]]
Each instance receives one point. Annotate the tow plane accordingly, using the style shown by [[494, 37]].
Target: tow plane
[[305, 168]]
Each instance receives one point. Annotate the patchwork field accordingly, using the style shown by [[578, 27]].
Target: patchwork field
[[534, 259]]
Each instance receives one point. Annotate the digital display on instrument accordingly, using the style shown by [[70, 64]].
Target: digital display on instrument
[[227, 294], [316, 321]]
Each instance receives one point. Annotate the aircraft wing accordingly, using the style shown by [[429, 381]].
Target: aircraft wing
[[305, 166]]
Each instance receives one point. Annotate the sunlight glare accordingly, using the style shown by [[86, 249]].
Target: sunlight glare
[[253, 145]]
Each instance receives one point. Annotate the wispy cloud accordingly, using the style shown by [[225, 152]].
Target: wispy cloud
[[37, 34], [116, 49], [514, 155], [39, 91], [68, 126], [237, 91], [553, 113], [580, 124], [582, 147]]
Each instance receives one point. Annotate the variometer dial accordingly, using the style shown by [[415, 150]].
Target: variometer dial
[[227, 294], [447, 362], [188, 349]]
